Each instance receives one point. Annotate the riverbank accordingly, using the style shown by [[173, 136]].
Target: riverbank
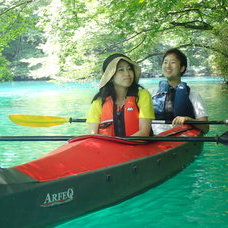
[[84, 80]]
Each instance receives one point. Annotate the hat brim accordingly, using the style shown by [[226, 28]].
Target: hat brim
[[111, 70]]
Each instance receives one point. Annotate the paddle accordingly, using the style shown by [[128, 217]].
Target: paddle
[[49, 121], [41, 121], [223, 139]]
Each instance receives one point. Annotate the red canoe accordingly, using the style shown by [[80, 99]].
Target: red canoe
[[89, 173]]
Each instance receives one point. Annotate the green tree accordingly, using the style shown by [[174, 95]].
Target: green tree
[[139, 27], [17, 23], [15, 19], [79, 34]]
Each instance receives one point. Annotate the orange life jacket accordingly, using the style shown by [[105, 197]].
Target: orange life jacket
[[109, 121]]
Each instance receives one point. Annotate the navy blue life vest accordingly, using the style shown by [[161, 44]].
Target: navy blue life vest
[[170, 102]]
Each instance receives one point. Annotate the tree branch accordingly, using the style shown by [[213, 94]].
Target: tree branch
[[192, 25], [137, 45], [184, 46], [151, 55], [184, 11], [206, 47], [16, 6]]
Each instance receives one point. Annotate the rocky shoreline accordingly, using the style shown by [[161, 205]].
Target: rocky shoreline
[[21, 78]]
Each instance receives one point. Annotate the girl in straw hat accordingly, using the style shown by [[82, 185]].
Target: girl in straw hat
[[121, 107]]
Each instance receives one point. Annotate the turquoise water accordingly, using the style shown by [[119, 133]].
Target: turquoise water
[[196, 197]]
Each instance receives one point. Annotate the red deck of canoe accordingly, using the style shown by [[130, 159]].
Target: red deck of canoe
[[89, 153]]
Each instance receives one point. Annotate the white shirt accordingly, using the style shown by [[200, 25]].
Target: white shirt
[[200, 110]]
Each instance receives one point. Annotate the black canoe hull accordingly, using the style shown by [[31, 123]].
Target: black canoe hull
[[42, 204]]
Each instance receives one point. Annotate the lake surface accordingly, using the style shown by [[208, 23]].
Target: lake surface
[[196, 197]]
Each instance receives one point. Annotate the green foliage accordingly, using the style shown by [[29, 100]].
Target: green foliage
[[143, 29], [77, 34], [15, 20], [220, 58], [5, 74]]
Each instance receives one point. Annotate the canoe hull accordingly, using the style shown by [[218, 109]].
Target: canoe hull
[[39, 204]]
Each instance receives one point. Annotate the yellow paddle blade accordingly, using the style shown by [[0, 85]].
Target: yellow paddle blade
[[37, 121]]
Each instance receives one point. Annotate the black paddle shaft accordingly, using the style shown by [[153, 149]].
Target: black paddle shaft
[[223, 139], [191, 122], [166, 121]]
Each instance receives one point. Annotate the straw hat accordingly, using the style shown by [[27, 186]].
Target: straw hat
[[111, 70]]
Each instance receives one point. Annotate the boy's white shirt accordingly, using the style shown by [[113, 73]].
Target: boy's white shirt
[[200, 110]]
